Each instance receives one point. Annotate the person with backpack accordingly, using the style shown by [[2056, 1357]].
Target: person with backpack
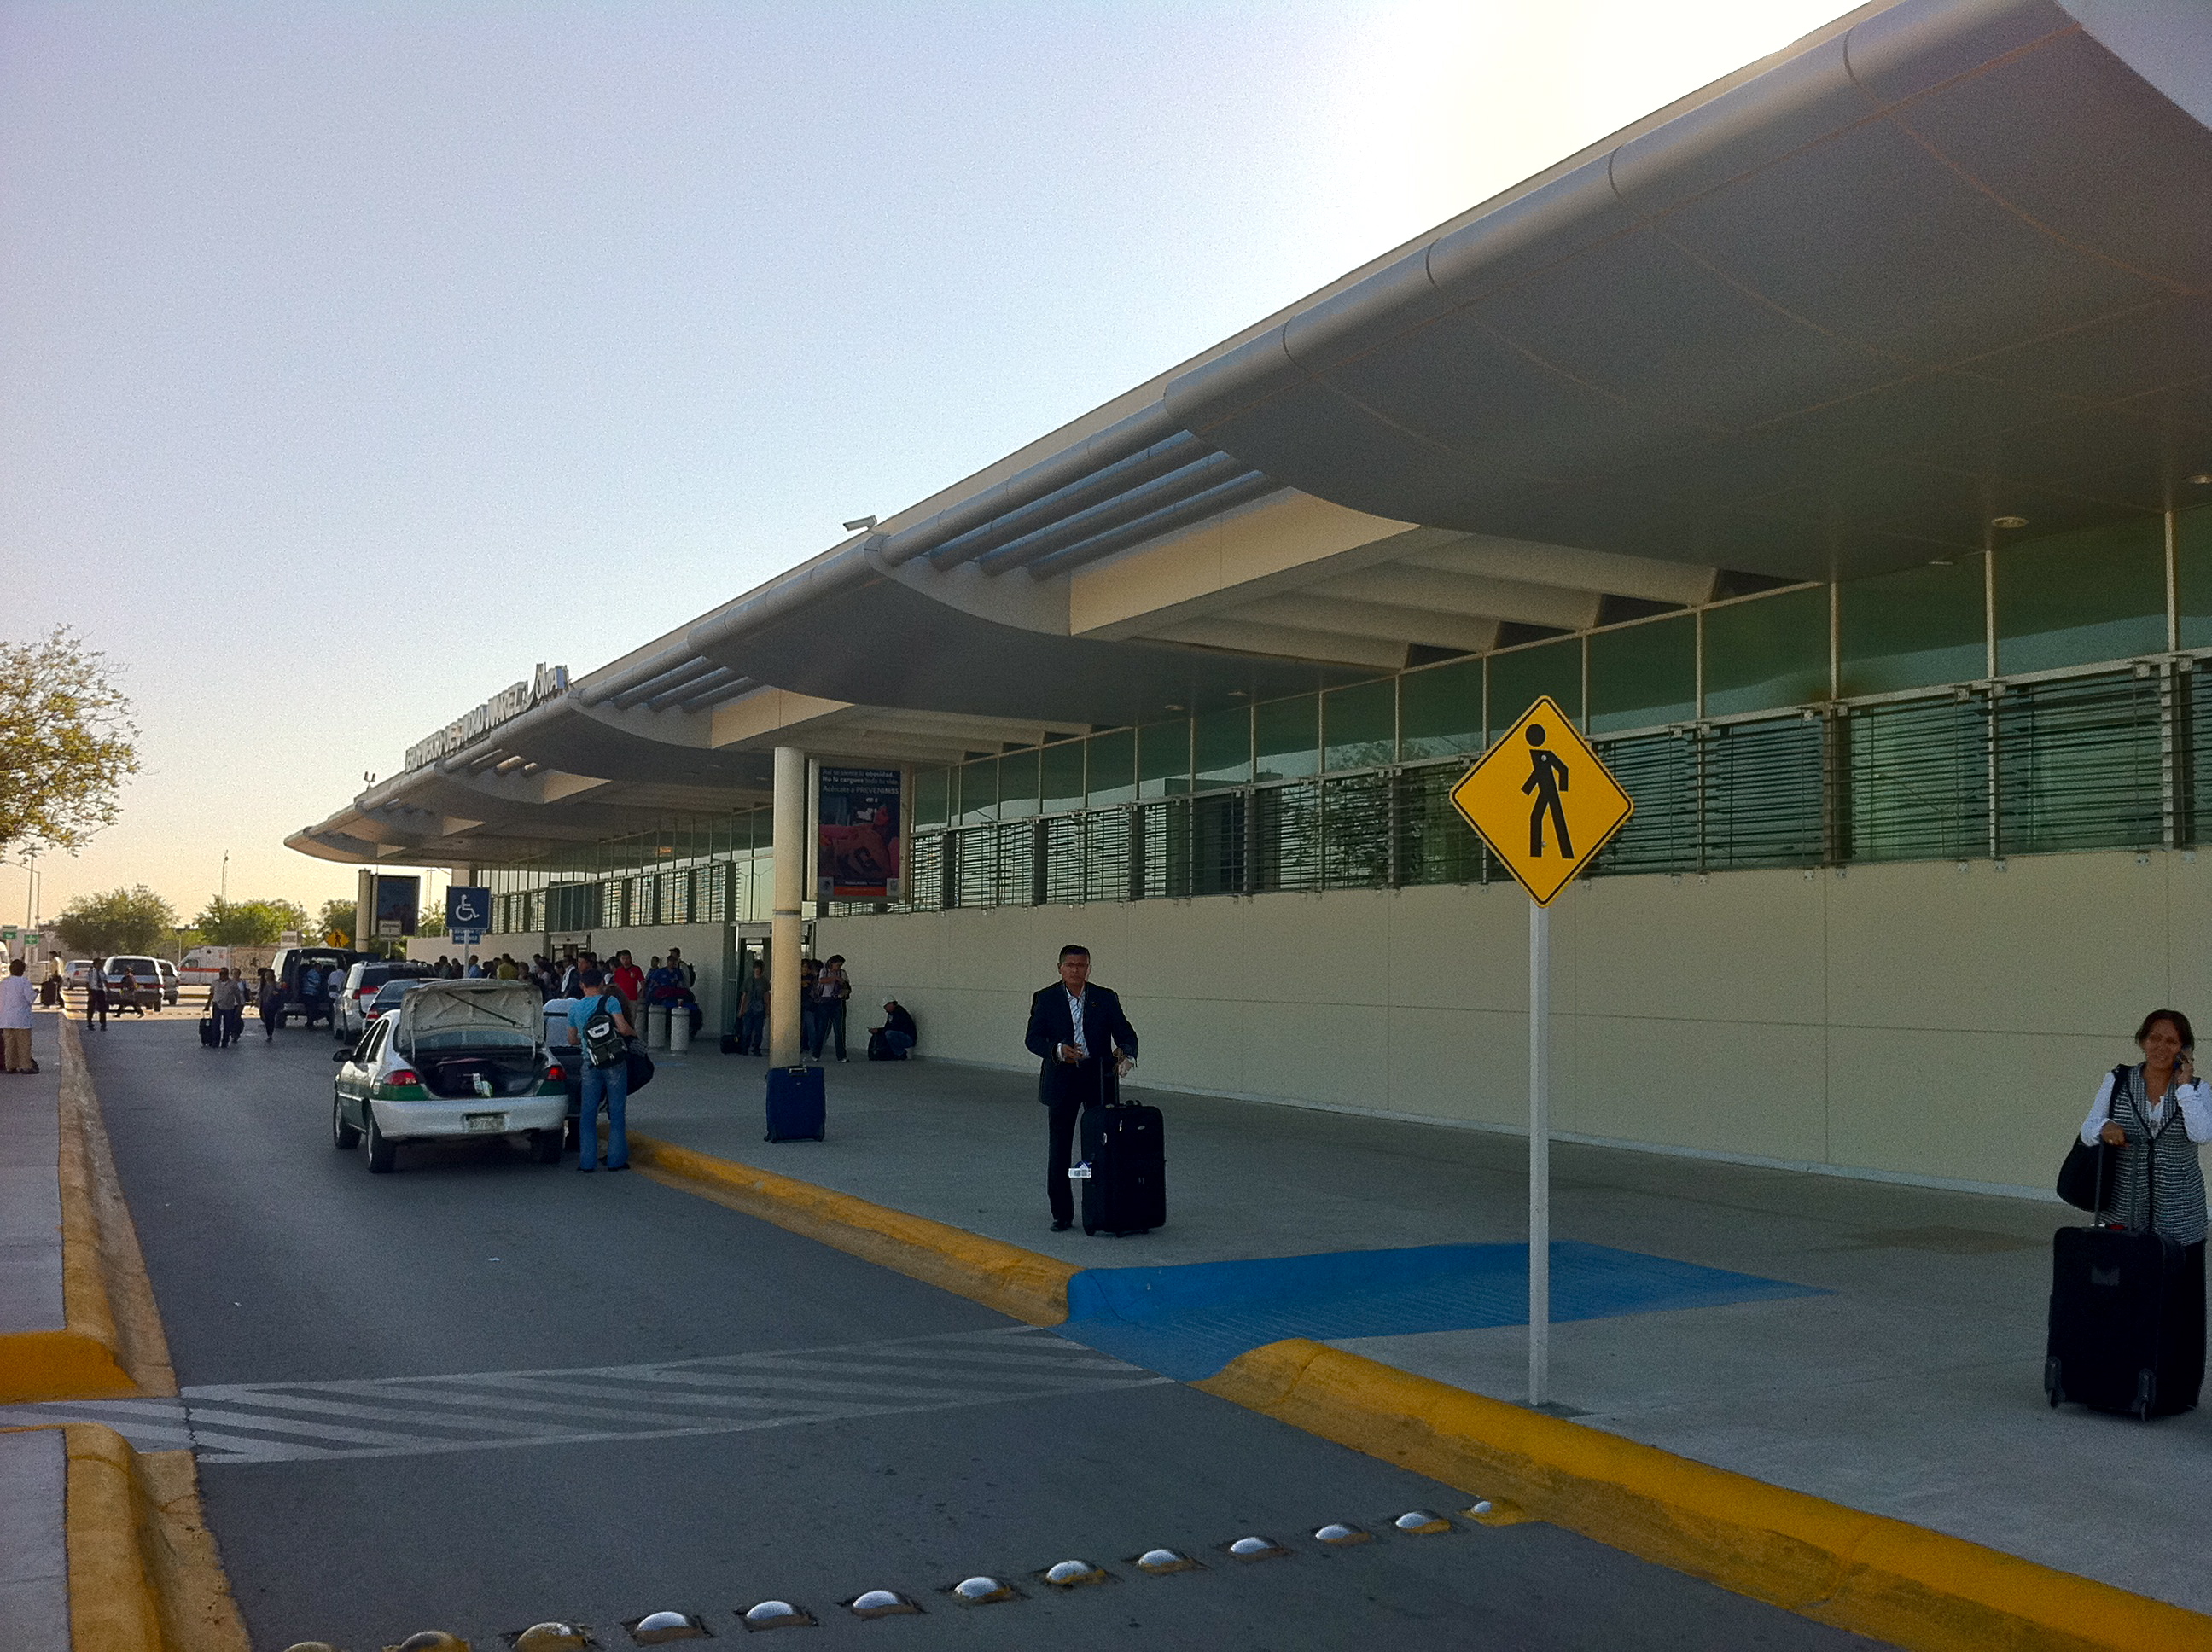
[[604, 1033]]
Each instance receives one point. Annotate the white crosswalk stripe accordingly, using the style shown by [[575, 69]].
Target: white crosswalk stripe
[[483, 1410]]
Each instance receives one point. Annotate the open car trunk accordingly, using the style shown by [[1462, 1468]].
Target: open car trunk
[[465, 1073], [472, 1038]]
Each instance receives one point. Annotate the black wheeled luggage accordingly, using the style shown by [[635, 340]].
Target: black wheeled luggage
[[1125, 1150], [2127, 1315], [2122, 1337], [209, 1036], [796, 1107]]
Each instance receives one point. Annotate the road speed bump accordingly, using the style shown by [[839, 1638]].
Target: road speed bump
[[552, 1637], [658, 1628], [882, 1603], [1338, 1535], [982, 1591], [1163, 1563], [775, 1614]]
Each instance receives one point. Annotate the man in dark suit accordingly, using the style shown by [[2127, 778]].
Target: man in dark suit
[[1085, 1043]]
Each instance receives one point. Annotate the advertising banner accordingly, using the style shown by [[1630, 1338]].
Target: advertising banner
[[858, 855], [399, 900]]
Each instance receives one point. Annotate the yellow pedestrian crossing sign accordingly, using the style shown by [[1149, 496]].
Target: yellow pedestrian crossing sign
[[1542, 801]]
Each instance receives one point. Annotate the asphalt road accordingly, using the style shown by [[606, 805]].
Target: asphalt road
[[481, 1392]]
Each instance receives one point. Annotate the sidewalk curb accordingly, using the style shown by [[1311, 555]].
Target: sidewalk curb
[[83, 1360], [1016, 1282], [144, 1575], [1915, 1588], [1868, 1573]]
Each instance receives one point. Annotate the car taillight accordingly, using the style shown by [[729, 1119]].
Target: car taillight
[[553, 1070], [403, 1076]]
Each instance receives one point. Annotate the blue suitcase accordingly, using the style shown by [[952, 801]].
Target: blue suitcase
[[795, 1108]]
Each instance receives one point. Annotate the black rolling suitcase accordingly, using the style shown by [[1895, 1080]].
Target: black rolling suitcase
[[2122, 1336], [796, 1107], [1125, 1159], [209, 1036]]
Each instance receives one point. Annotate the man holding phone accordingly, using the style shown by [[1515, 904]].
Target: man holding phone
[[1083, 1044]]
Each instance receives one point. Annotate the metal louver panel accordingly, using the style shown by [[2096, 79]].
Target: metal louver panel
[[1355, 833], [1434, 844], [1919, 779], [1287, 834], [2081, 764], [1764, 796]]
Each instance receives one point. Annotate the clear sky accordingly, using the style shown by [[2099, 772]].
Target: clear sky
[[354, 357]]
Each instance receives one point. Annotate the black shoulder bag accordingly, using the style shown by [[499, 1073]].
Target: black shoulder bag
[[2085, 1181]]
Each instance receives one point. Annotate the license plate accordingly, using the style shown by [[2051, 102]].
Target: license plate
[[487, 1121]]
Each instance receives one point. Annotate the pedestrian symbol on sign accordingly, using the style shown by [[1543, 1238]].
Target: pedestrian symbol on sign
[[1547, 778]]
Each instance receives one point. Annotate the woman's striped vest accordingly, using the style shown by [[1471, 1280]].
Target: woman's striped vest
[[2172, 1197]]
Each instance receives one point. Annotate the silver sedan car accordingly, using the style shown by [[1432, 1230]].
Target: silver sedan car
[[457, 1059]]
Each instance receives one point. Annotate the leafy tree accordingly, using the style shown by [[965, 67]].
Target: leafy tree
[[133, 919], [431, 920], [337, 919], [250, 923], [67, 742]]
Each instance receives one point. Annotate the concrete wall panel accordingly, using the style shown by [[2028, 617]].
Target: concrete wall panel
[[1910, 1020]]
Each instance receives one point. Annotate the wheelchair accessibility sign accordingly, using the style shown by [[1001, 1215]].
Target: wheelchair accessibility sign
[[1542, 801], [468, 914]]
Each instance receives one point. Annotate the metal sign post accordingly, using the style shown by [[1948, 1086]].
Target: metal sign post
[[1539, 1154], [1545, 804]]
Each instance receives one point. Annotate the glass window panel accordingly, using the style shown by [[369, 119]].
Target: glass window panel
[[1913, 629], [2192, 533], [1440, 710], [1018, 785], [1061, 777], [1163, 758], [2077, 598], [1223, 745], [1359, 726], [929, 789], [1767, 652], [1518, 677], [1642, 676], [1113, 768], [1287, 737], [977, 800]]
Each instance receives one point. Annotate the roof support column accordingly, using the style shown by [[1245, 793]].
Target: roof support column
[[789, 858]]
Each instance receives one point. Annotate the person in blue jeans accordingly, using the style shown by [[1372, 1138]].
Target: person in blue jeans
[[607, 1084]]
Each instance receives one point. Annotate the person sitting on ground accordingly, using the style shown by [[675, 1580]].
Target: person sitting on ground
[[897, 1036], [17, 996]]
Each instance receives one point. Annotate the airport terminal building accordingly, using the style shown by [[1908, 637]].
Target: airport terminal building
[[1835, 444]]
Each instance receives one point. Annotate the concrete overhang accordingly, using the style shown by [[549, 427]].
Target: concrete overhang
[[1940, 263]]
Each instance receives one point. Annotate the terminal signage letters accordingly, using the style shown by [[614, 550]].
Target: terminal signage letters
[[468, 914], [857, 855], [1542, 801], [548, 682]]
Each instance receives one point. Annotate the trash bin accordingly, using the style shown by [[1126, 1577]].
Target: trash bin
[[656, 1027], [679, 1026]]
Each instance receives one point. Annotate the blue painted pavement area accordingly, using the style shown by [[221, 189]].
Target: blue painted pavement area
[[1189, 1322]]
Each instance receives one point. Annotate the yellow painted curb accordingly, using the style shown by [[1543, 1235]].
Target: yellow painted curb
[[143, 1576], [1018, 1282], [82, 1361], [1905, 1584]]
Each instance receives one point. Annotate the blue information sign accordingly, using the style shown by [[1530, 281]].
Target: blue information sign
[[468, 913]]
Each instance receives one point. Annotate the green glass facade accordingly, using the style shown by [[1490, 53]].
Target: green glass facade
[[1814, 725]]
